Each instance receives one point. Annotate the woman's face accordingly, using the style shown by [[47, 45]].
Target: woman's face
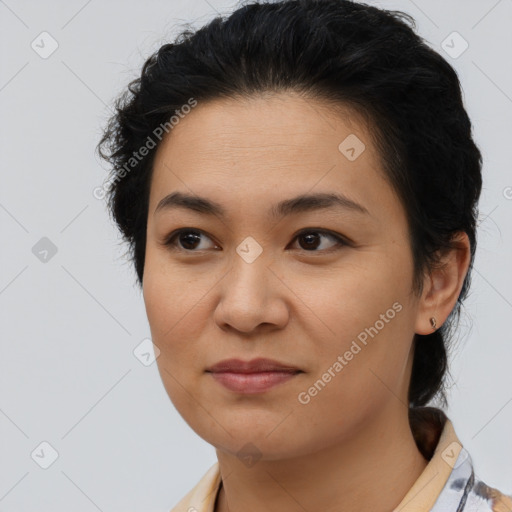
[[248, 284]]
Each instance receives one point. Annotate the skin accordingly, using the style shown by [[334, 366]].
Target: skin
[[302, 303]]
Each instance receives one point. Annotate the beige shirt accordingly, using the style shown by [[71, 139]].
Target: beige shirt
[[447, 483]]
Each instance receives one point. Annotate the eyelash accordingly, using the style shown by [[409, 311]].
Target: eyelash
[[171, 240]]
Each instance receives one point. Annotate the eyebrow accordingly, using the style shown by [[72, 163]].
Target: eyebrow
[[295, 205]]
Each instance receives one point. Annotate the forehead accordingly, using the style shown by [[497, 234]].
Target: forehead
[[266, 123], [265, 148]]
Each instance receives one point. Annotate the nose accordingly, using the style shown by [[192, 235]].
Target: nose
[[252, 297]]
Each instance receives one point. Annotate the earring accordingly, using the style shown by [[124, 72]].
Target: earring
[[433, 322]]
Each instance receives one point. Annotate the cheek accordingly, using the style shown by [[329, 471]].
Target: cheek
[[360, 372], [171, 294], [172, 311], [365, 316], [352, 296], [168, 313]]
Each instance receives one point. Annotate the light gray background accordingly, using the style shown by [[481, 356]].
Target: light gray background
[[69, 326]]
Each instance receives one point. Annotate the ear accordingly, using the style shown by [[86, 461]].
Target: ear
[[441, 288]]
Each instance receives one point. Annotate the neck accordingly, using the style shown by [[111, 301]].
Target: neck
[[371, 470]]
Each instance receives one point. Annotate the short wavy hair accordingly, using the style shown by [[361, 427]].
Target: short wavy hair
[[350, 54]]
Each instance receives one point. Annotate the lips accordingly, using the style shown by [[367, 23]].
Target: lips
[[251, 377], [253, 366]]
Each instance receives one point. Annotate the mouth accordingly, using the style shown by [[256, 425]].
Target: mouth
[[250, 377], [251, 383]]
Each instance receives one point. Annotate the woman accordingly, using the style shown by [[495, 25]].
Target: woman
[[298, 185]]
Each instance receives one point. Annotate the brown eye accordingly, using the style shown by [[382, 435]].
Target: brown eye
[[311, 240], [186, 240]]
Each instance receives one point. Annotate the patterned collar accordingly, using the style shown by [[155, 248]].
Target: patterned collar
[[447, 484]]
